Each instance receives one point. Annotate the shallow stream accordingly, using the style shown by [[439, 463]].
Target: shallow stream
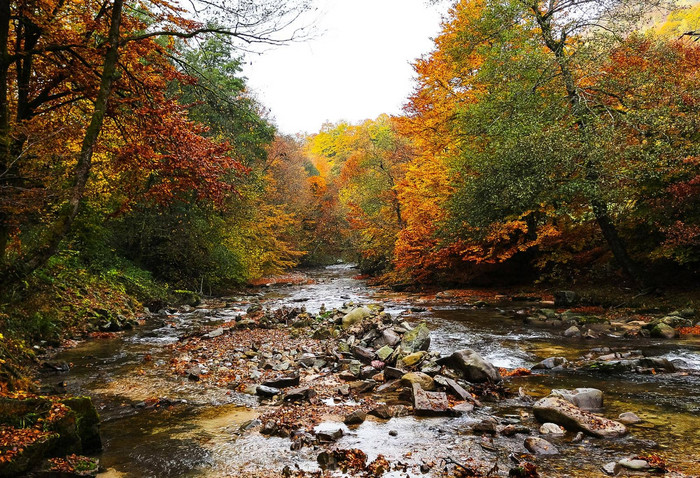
[[197, 431]]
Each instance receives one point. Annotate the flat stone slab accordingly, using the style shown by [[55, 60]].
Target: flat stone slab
[[561, 412], [429, 403]]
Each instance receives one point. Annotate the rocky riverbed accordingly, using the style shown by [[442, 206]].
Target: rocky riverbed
[[332, 376]]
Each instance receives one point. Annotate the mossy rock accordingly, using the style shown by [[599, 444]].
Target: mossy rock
[[77, 430], [29, 458], [87, 422], [187, 297]]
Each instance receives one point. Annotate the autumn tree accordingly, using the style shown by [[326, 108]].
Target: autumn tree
[[62, 58]]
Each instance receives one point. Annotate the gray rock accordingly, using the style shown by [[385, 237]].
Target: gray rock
[[389, 337], [417, 339], [425, 381], [454, 388], [572, 331], [550, 363], [561, 412], [585, 398], [487, 425], [610, 468], [215, 333], [663, 331], [463, 407], [429, 403], [551, 429], [299, 393], [629, 418], [355, 418], [307, 359], [637, 465], [329, 435], [540, 446], [265, 391], [472, 366], [384, 352], [355, 316], [363, 353]]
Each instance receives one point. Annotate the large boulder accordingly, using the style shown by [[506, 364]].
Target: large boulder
[[355, 316], [417, 339], [585, 398], [663, 331], [557, 410], [472, 366]]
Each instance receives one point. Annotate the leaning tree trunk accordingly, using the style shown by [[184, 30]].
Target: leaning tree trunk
[[5, 139], [82, 170], [598, 205]]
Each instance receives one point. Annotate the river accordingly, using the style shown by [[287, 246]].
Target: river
[[197, 431]]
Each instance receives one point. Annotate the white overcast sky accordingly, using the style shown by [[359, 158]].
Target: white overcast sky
[[357, 67]]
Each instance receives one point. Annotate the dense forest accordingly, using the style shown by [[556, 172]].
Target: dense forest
[[172, 260], [551, 144]]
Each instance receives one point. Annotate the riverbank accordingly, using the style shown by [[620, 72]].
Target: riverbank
[[157, 421]]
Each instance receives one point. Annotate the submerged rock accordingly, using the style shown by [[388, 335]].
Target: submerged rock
[[559, 411], [629, 418], [540, 446]]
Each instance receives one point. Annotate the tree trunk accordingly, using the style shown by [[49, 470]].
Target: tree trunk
[[5, 139], [82, 171], [598, 204]]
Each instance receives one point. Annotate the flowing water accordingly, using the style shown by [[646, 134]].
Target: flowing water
[[197, 431]]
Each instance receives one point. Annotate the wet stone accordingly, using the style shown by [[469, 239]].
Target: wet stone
[[486, 426], [429, 403], [265, 391], [355, 418], [364, 354], [540, 446], [382, 411], [283, 382], [512, 430], [561, 412], [462, 408], [393, 372], [453, 387], [636, 465], [298, 394], [425, 381], [551, 429], [550, 363], [629, 418], [330, 436]]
